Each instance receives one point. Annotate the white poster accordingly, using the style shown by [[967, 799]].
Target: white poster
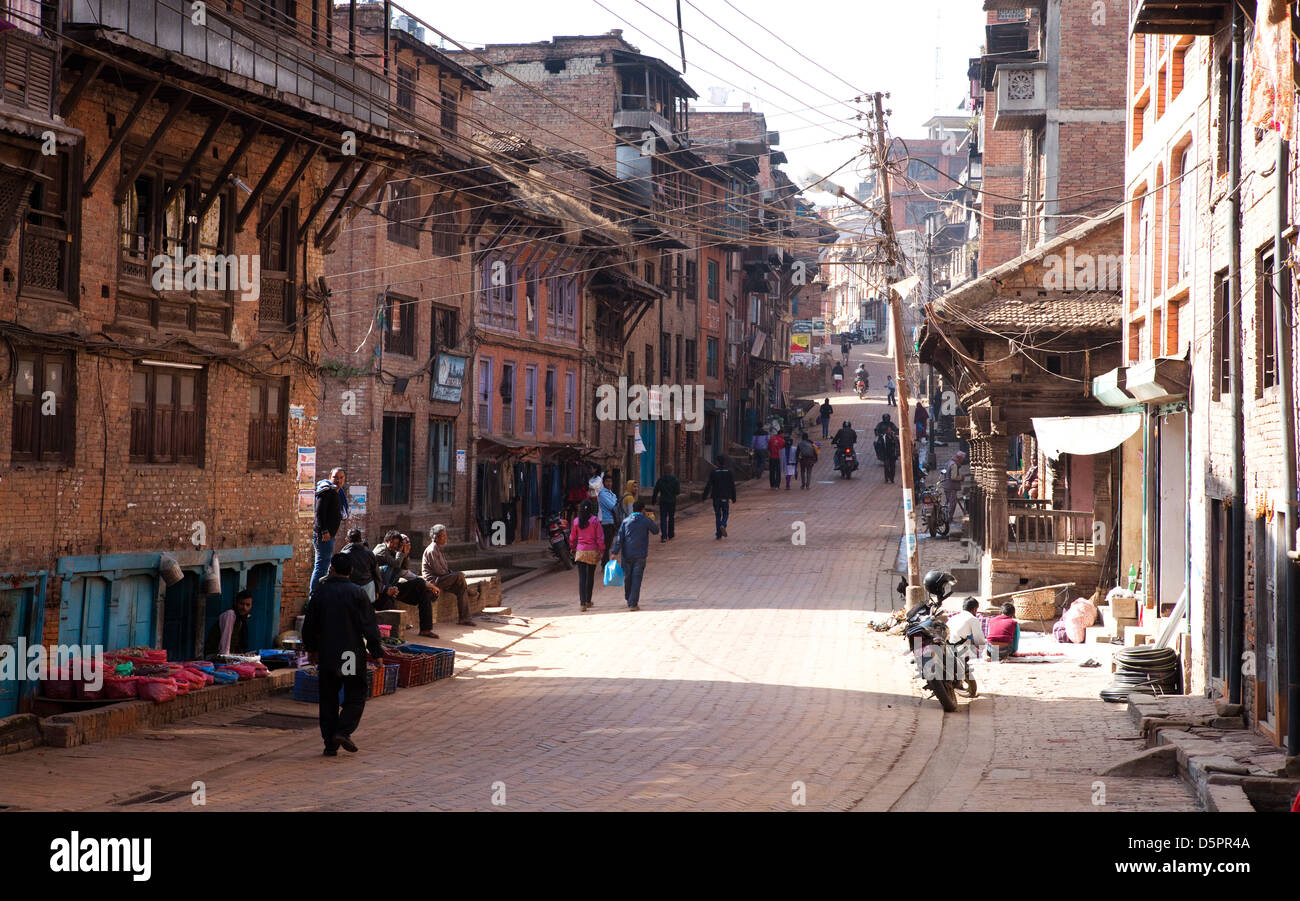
[[462, 460]]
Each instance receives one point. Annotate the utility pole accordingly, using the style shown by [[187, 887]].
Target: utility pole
[[915, 591]]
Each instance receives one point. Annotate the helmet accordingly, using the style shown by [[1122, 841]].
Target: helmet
[[940, 584], [885, 418], [848, 424]]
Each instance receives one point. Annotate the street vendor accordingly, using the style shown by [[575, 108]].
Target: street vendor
[[229, 634]]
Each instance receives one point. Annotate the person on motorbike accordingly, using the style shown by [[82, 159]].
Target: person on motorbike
[[860, 375], [847, 436]]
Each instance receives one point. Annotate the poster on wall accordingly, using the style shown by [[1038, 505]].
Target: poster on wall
[[306, 503], [306, 467], [297, 413], [449, 378], [799, 344], [357, 500], [462, 461]]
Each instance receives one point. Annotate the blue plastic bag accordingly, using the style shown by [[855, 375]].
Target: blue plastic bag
[[613, 574]]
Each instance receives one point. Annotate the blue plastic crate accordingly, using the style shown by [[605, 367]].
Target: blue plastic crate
[[390, 677], [306, 685]]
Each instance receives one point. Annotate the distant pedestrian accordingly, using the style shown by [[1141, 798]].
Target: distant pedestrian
[[890, 389], [325, 527], [759, 446], [838, 374], [807, 457], [666, 490], [845, 347], [722, 487], [790, 460], [587, 541], [630, 492], [633, 543], [339, 626], [922, 420], [775, 445], [611, 513], [824, 416]]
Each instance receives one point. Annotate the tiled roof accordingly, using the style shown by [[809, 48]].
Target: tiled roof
[[1067, 311]]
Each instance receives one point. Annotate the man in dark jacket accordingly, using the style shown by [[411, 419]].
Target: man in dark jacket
[[339, 627], [847, 436], [723, 489], [633, 541], [665, 495], [329, 516], [410, 587], [365, 571]]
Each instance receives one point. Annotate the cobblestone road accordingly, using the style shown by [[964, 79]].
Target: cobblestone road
[[749, 681]]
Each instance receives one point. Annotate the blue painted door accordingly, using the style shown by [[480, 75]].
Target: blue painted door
[[649, 432], [179, 611], [96, 612], [15, 618], [263, 624]]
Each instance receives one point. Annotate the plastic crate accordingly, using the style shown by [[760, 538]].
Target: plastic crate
[[390, 678], [306, 685], [444, 658]]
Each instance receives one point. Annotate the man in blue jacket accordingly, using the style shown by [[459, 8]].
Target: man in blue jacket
[[634, 540]]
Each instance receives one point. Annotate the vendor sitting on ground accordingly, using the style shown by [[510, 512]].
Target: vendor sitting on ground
[[229, 634], [1004, 634]]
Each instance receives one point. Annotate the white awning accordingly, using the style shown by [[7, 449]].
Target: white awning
[[1084, 435]]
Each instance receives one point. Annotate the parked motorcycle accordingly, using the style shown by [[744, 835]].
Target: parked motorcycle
[[848, 463], [557, 534], [938, 663], [934, 512]]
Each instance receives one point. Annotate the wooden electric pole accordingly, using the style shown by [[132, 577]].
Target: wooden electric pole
[[915, 591]]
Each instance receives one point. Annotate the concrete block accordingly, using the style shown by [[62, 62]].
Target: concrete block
[[1227, 722], [1223, 708], [1136, 636], [1226, 799], [1158, 761]]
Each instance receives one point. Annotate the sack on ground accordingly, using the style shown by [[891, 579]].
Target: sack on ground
[[613, 574]]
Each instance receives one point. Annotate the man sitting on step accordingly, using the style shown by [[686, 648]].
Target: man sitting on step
[[411, 589], [438, 572]]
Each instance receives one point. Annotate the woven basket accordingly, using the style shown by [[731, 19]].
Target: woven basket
[[1038, 604]]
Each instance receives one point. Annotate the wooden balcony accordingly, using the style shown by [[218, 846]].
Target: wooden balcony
[[1033, 531], [1177, 16]]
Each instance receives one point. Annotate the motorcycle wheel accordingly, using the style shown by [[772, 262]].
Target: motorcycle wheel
[[942, 527], [943, 692], [562, 554], [933, 524]]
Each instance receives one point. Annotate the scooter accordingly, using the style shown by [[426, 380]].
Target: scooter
[[848, 463], [557, 535], [938, 664], [861, 386]]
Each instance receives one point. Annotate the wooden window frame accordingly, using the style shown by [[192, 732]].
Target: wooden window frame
[[402, 214], [61, 225], [388, 495], [144, 425], [440, 485], [400, 340], [268, 435], [32, 447]]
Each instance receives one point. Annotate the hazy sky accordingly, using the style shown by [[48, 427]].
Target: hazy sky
[[871, 45]]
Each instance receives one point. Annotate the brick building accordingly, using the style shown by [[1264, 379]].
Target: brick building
[[1209, 346], [157, 409]]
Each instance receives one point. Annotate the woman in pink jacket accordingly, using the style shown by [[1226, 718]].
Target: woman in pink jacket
[[587, 541]]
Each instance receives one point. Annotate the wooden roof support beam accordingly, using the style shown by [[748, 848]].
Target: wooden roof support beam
[[192, 164], [289, 186], [340, 173], [128, 178], [379, 181], [343, 201], [116, 144], [73, 97], [286, 148], [251, 131]]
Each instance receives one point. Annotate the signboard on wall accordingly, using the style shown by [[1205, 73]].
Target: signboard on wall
[[448, 378]]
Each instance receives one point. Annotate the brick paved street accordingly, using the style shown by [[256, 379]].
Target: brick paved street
[[749, 669]]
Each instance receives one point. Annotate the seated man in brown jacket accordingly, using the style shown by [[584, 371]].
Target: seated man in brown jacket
[[437, 571]]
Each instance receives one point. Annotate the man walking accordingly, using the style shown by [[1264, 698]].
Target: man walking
[[722, 487], [329, 516], [775, 445], [633, 541], [666, 490], [411, 589], [890, 389], [438, 572], [824, 416], [807, 457], [954, 476], [339, 627]]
